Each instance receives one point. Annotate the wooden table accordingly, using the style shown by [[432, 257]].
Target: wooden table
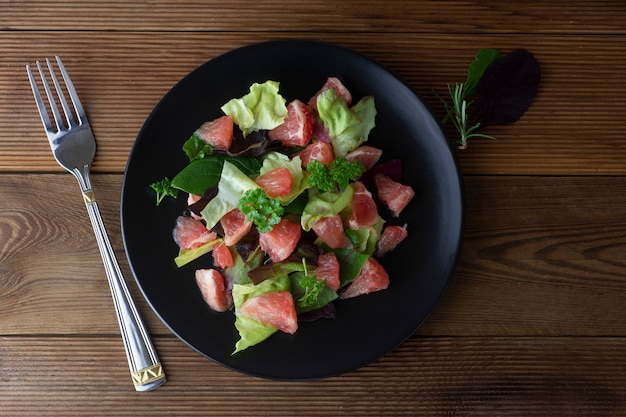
[[533, 322]]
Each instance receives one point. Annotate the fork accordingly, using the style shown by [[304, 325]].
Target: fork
[[74, 147]]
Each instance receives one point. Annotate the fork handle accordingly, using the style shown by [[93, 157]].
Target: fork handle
[[145, 367]]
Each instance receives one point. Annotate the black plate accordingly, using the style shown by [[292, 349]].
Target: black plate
[[367, 327]]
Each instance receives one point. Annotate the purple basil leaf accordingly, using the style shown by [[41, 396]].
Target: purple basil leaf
[[507, 88], [391, 168], [326, 312], [255, 145], [199, 205]]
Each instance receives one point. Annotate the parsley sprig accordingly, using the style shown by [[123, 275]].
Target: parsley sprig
[[260, 209], [164, 188], [338, 173], [312, 288]]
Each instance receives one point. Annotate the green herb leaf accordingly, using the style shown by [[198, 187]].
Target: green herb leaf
[[321, 176], [202, 174], [312, 290], [338, 173], [344, 171], [483, 59], [263, 211], [196, 148], [164, 188], [309, 292], [461, 113], [350, 263], [199, 175]]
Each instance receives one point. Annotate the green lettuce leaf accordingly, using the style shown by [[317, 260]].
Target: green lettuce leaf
[[187, 255], [232, 185], [365, 239], [273, 270], [238, 273], [263, 108], [334, 112], [348, 127], [251, 332], [355, 134], [324, 205]]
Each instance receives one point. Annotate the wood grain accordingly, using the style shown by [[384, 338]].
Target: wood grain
[[424, 376], [409, 16], [533, 320], [542, 256], [120, 77]]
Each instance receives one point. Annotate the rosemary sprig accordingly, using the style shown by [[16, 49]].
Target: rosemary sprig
[[461, 114]]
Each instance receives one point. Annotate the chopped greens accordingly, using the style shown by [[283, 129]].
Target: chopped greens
[[265, 274]]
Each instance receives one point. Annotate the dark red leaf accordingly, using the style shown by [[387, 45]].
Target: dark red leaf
[[391, 168], [255, 145], [507, 88], [326, 312]]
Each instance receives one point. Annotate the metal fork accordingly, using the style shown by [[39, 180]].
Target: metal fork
[[74, 147]]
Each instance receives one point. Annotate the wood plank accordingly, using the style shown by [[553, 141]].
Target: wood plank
[[542, 256], [120, 79], [572, 17], [424, 376], [53, 279]]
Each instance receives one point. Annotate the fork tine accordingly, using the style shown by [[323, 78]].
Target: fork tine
[[72, 91], [51, 101], [69, 116], [43, 113]]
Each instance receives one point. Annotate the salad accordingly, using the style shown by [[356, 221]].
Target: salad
[[292, 205]]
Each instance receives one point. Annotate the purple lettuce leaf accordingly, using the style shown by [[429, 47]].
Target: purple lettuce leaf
[[507, 88]]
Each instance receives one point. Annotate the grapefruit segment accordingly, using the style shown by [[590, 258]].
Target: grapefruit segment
[[274, 309], [214, 290]]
